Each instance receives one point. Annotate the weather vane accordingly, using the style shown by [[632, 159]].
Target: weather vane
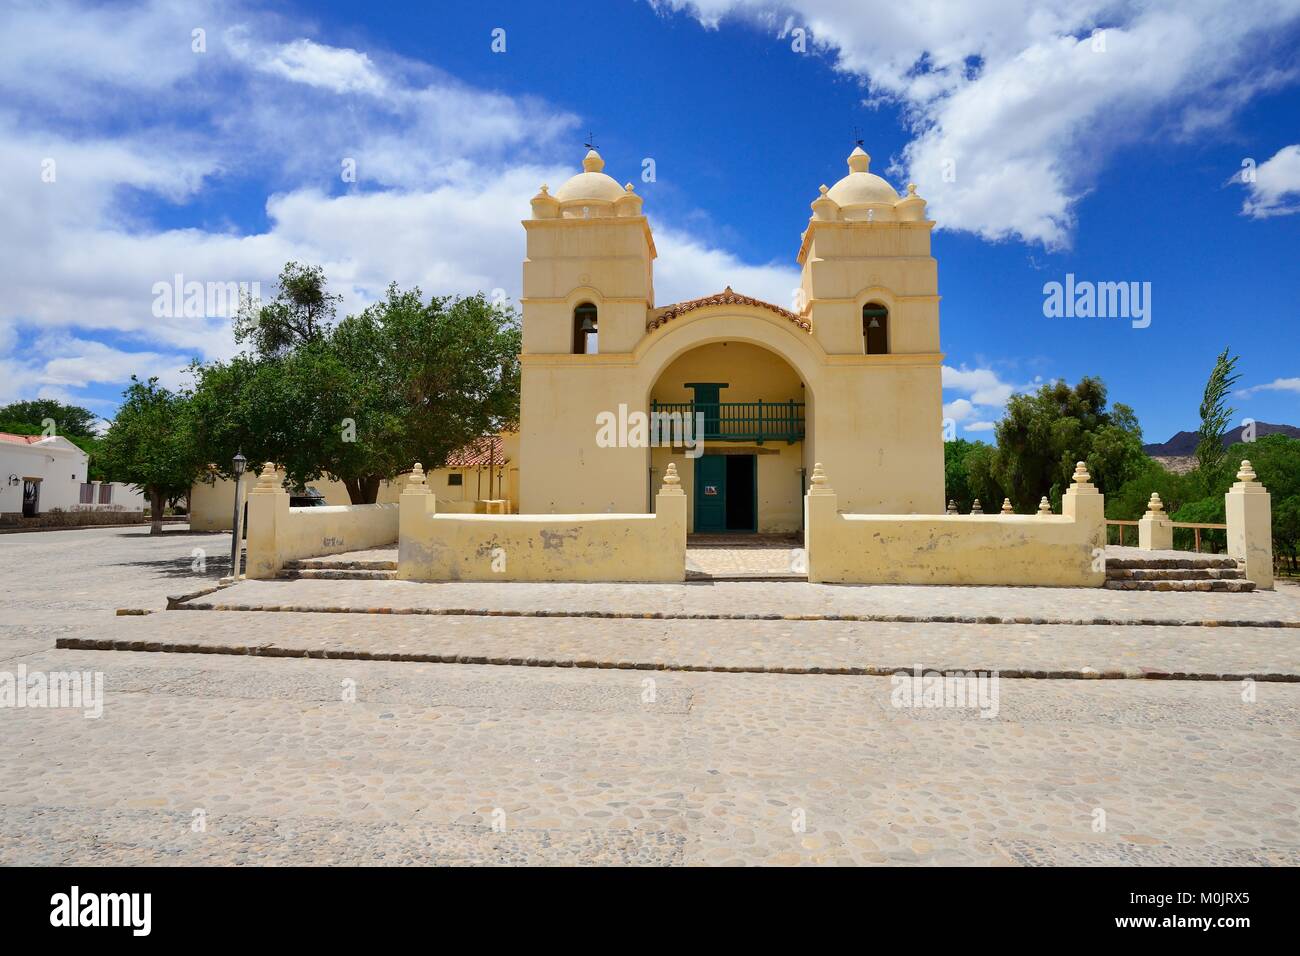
[[591, 141], [857, 133]]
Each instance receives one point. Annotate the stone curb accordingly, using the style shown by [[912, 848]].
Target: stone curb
[[177, 602], [270, 650], [670, 616]]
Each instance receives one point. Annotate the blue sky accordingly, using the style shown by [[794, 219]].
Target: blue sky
[[1114, 155]]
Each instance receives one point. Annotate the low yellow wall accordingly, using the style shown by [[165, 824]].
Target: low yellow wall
[[212, 500], [278, 533], [995, 549], [585, 547]]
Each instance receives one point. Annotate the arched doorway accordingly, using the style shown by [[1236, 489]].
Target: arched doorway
[[734, 416]]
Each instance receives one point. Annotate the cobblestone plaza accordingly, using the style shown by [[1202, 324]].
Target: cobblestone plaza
[[703, 723]]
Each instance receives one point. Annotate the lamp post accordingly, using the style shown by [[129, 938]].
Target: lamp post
[[240, 462]]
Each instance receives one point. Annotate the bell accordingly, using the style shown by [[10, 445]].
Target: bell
[[588, 324], [874, 324]]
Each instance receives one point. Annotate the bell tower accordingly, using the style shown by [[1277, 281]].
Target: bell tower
[[869, 282], [587, 290], [870, 292], [588, 270]]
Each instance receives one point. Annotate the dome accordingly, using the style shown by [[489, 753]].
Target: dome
[[860, 187], [590, 185]]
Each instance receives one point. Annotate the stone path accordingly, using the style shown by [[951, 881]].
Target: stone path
[[741, 599], [209, 759], [775, 646], [274, 766]]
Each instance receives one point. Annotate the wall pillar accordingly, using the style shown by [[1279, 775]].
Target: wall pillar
[[821, 508], [1250, 526], [415, 505], [1155, 530], [1087, 507], [670, 508], [268, 516]]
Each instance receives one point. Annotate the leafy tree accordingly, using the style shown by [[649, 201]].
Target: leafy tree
[[70, 421], [403, 381], [1209, 510], [1042, 436], [301, 312], [1286, 529], [956, 479], [1129, 502], [150, 444], [969, 474], [1215, 414]]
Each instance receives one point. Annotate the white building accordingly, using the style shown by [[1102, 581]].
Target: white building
[[39, 475]]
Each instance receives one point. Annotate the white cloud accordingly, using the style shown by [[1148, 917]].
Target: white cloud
[[1275, 187], [959, 410], [1021, 102], [1277, 385], [688, 268], [444, 171], [56, 365], [986, 396], [983, 385], [339, 70]]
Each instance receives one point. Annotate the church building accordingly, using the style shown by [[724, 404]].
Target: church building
[[750, 394]]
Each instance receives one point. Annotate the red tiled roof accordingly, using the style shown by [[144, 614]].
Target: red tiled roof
[[21, 439], [725, 297], [478, 453]]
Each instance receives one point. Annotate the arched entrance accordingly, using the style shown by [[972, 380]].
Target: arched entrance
[[738, 416]]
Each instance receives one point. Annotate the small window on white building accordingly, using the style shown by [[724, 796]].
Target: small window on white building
[[455, 479]]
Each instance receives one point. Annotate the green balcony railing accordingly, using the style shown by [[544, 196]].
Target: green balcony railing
[[735, 421]]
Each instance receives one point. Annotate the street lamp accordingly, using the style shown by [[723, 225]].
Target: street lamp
[[239, 463]]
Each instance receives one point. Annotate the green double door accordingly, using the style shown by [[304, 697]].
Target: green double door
[[726, 494]]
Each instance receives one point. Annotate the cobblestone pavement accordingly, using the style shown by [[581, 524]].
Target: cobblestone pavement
[[779, 599], [779, 646], [204, 758], [68, 574], [627, 767]]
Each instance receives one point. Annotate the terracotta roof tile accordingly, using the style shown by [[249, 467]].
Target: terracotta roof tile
[[478, 453], [725, 297], [20, 439]]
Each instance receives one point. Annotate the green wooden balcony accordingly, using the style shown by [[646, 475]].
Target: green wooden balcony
[[739, 421]]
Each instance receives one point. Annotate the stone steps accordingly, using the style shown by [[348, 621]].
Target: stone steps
[[339, 570], [1232, 587], [336, 574], [1174, 574], [1193, 562], [1193, 573]]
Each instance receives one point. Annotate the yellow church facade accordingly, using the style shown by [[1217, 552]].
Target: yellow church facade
[[641, 423], [743, 396]]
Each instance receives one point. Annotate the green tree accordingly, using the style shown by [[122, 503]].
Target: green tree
[[70, 421], [403, 381], [1042, 436], [301, 312], [150, 444], [969, 474], [1215, 415]]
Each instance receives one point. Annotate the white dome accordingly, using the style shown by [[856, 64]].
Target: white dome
[[860, 187], [590, 185]]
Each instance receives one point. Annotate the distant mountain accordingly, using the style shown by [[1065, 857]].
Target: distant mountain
[[1184, 444]]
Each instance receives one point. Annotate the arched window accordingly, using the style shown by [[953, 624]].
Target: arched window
[[584, 329], [875, 329]]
